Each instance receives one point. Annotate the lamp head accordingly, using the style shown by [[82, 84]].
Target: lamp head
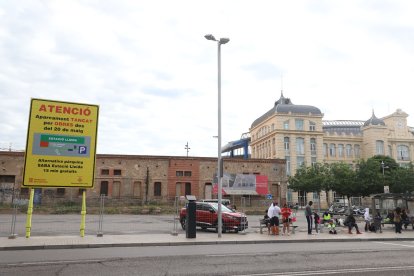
[[210, 37], [224, 40]]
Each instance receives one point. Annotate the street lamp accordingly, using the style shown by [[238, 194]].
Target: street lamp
[[383, 167], [219, 172], [383, 176]]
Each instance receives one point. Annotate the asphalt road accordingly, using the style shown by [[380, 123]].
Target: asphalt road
[[350, 258]]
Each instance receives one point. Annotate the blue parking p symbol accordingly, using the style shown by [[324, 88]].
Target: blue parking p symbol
[[82, 150]]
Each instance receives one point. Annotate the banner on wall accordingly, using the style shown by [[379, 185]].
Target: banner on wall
[[242, 184], [61, 144]]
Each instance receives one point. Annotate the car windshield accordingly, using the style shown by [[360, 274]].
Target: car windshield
[[223, 208]]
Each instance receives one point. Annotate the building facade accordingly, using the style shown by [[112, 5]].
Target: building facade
[[142, 179], [298, 134]]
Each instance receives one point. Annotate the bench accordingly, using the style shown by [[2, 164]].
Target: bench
[[411, 221], [265, 223]]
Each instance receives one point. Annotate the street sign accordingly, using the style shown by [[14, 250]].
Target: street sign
[[61, 144], [269, 196]]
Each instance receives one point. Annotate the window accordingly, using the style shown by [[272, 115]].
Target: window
[[273, 127], [104, 188], [325, 150], [105, 172], [300, 146], [313, 146], [402, 153], [312, 126], [187, 173], [179, 173], [357, 151], [157, 188], [299, 124], [341, 150], [332, 150], [389, 151], [117, 172], [313, 161], [273, 146], [187, 188], [287, 165], [348, 150], [286, 144], [286, 124], [300, 160], [379, 146], [60, 191], [7, 179]]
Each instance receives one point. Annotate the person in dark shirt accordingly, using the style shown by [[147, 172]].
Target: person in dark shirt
[[351, 223]]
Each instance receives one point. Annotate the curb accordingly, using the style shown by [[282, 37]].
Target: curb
[[141, 244]]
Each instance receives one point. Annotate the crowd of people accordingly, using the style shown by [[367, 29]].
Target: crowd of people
[[399, 217]]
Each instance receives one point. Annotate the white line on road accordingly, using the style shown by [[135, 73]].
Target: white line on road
[[396, 244], [336, 271]]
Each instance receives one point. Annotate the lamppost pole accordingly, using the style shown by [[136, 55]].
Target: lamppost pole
[[219, 172]]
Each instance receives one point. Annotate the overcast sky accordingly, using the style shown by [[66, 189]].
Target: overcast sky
[[154, 75]]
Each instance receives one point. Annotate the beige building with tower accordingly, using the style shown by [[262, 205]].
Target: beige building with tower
[[299, 134]]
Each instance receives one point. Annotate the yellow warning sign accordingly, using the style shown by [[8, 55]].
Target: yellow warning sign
[[61, 144]]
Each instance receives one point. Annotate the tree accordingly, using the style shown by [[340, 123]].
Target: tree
[[343, 180], [402, 180], [369, 176], [309, 179]]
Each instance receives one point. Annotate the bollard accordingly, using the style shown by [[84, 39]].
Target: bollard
[[243, 218], [174, 231], [101, 212], [29, 214], [13, 235]]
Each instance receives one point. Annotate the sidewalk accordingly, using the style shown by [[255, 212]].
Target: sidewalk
[[202, 238]]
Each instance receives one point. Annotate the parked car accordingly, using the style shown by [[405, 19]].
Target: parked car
[[224, 201], [206, 217]]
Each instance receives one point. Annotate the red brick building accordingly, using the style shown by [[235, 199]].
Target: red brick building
[[141, 178]]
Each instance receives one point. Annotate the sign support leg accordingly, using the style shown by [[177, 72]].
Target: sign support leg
[[83, 214], [29, 213]]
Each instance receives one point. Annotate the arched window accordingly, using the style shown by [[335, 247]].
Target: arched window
[[403, 153], [332, 150]]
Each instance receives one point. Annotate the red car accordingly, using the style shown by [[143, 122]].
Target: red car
[[206, 217]]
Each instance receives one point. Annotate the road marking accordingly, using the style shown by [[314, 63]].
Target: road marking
[[330, 272], [396, 244], [57, 262]]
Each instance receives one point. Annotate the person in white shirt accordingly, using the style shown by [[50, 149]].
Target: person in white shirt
[[274, 212]]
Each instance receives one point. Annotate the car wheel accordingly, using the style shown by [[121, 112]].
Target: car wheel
[[182, 221]]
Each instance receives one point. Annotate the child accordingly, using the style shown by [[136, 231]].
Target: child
[[317, 221]]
